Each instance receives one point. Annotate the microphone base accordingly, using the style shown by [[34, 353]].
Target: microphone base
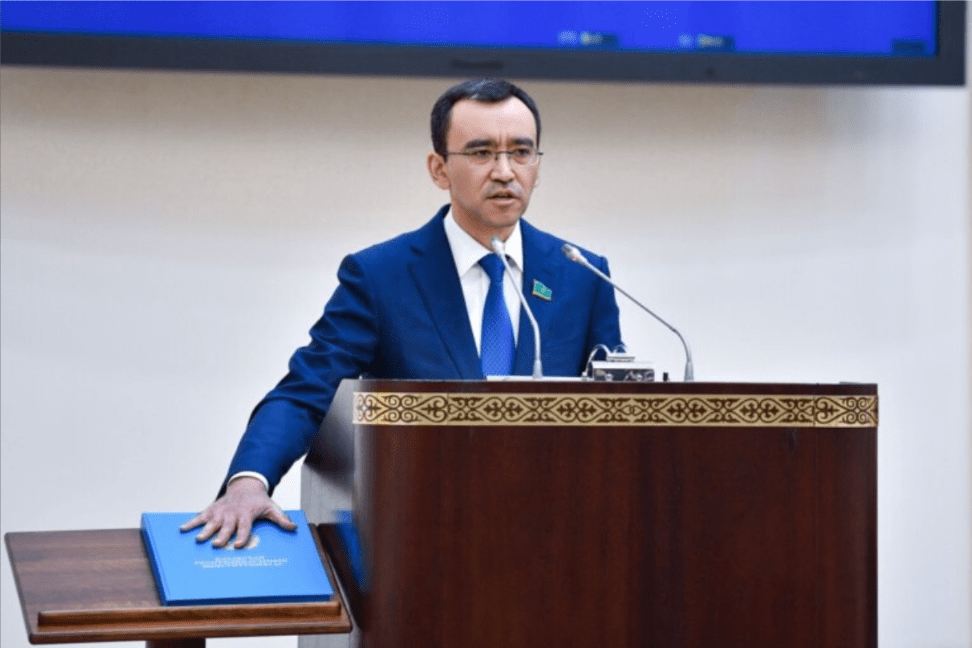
[[621, 371]]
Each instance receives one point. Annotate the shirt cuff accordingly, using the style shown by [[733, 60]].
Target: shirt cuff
[[250, 473]]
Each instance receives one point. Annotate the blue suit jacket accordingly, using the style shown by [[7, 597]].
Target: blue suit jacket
[[399, 312]]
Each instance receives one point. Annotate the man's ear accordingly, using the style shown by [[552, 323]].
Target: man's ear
[[437, 171]]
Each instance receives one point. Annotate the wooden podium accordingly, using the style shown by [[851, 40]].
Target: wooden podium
[[524, 514], [97, 585]]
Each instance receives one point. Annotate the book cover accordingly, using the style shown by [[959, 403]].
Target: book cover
[[276, 566]]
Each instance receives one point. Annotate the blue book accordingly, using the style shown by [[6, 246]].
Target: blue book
[[276, 566]]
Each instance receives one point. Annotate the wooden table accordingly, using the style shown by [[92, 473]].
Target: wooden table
[[97, 585]]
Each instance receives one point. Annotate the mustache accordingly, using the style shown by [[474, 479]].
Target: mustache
[[504, 192]]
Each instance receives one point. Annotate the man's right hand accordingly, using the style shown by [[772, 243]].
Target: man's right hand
[[245, 500]]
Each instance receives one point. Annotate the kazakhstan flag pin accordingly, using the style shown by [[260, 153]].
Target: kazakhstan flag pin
[[542, 291]]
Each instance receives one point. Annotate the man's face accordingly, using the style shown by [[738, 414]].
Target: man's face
[[487, 198]]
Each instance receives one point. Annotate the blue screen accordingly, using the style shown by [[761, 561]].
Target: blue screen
[[859, 28]]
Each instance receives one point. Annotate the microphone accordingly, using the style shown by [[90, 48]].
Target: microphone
[[500, 250], [575, 255]]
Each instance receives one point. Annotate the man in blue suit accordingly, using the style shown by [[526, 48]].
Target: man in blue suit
[[430, 304]]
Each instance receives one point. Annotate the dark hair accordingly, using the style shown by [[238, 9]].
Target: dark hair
[[485, 90]]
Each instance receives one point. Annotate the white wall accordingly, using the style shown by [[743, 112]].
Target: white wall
[[167, 239]]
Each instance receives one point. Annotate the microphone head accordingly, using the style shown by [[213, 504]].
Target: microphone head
[[497, 245], [572, 253]]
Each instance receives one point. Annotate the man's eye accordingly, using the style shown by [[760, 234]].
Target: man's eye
[[523, 153], [481, 155]]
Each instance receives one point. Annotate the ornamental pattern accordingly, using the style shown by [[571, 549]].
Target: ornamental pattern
[[377, 408]]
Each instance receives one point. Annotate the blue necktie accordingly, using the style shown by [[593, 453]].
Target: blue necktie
[[497, 333]]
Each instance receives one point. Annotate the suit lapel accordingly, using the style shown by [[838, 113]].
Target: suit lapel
[[538, 265], [434, 272]]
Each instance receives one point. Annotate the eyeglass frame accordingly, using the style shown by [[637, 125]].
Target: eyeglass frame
[[495, 157]]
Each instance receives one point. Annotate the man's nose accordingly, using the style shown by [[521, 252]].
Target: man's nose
[[502, 168]]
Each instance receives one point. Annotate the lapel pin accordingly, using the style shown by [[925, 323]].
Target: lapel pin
[[542, 291]]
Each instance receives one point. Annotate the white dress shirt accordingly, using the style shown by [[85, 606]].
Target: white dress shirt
[[467, 251]]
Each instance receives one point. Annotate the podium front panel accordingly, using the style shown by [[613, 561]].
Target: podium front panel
[[580, 514]]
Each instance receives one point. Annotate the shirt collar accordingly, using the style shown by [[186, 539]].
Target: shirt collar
[[467, 251]]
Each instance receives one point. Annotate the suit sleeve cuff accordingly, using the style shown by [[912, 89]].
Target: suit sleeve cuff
[[250, 473]]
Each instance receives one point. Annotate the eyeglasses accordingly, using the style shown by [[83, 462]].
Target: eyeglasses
[[523, 156]]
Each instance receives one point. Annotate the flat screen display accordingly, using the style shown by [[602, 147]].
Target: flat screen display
[[826, 41]]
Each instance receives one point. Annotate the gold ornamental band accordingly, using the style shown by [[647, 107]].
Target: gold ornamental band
[[656, 410]]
